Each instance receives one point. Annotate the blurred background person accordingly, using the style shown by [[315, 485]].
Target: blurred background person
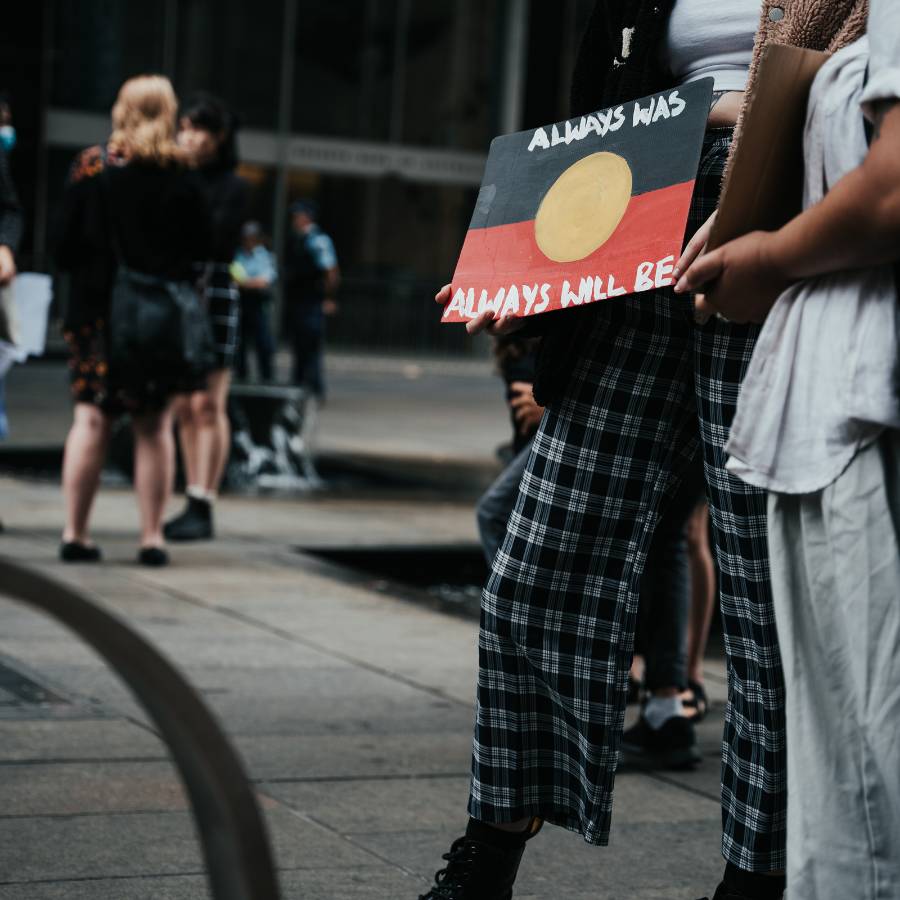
[[516, 360], [312, 278], [255, 272], [11, 222], [208, 134], [664, 736], [704, 595], [133, 199]]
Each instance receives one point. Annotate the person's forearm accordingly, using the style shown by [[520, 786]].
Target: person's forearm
[[856, 224], [332, 281]]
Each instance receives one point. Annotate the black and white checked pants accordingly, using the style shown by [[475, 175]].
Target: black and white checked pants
[[559, 608]]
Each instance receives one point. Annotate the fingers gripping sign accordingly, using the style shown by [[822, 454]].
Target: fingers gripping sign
[[487, 321], [739, 280]]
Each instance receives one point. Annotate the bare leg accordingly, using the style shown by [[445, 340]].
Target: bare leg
[[187, 436], [210, 416], [82, 464], [153, 459], [703, 589]]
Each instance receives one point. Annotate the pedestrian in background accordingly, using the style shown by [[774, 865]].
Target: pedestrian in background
[[311, 282], [255, 272], [664, 736], [515, 358], [208, 133], [134, 204], [11, 223]]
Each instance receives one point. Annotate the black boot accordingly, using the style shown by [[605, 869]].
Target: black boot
[[194, 524], [482, 865], [740, 885]]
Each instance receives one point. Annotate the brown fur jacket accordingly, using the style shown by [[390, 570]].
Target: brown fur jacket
[[810, 24]]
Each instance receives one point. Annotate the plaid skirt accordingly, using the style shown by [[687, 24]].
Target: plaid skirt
[[559, 608], [223, 301]]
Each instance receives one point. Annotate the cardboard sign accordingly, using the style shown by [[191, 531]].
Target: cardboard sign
[[764, 188], [584, 210]]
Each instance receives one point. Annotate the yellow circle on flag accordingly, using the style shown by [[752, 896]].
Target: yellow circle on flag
[[583, 207]]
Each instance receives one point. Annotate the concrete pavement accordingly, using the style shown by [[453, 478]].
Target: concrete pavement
[[352, 709], [350, 702]]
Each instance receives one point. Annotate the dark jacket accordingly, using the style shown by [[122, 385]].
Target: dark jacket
[[156, 218], [226, 195], [604, 76], [515, 359], [160, 221], [81, 245], [11, 221]]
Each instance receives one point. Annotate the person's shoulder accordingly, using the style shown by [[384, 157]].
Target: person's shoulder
[[320, 239], [88, 163]]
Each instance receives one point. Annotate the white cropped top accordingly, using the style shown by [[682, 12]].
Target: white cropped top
[[712, 38]]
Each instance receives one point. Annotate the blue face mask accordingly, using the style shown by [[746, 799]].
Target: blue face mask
[[7, 137]]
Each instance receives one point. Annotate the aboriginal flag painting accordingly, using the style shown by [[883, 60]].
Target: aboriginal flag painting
[[582, 211]]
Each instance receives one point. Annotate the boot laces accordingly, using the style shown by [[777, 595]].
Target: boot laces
[[462, 864]]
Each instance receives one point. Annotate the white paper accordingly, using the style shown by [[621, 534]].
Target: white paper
[[33, 292]]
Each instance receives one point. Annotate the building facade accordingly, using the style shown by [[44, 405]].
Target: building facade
[[380, 110]]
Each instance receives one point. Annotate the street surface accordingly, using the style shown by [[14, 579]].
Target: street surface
[[351, 705]]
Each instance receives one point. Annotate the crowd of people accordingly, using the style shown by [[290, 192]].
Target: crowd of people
[[756, 402], [156, 220], [776, 394]]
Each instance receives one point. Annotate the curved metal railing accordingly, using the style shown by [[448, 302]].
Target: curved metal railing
[[229, 822]]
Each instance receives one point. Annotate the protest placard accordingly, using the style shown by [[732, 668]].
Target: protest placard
[[584, 210]]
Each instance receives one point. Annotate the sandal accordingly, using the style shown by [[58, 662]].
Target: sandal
[[695, 702]]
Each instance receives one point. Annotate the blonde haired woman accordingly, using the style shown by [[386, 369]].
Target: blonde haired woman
[[131, 202]]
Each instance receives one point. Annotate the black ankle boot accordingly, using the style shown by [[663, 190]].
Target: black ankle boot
[[481, 865], [740, 885], [194, 524]]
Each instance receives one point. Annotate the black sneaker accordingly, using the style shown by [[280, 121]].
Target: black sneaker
[[194, 524], [477, 870], [672, 746]]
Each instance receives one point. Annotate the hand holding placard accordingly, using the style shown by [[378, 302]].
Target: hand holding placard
[[580, 212]]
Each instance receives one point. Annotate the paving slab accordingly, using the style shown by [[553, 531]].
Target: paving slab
[[357, 756], [352, 709], [131, 844], [84, 740], [371, 883], [66, 789]]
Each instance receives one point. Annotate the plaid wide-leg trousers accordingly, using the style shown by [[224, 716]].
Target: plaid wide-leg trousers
[[559, 609]]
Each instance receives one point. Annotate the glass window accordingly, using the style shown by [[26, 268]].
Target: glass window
[[398, 70], [99, 44], [344, 55], [232, 48], [394, 252], [449, 76], [549, 75]]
